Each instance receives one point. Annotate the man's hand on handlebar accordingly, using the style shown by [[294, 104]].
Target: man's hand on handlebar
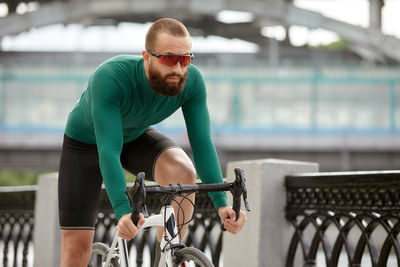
[[126, 229], [228, 218]]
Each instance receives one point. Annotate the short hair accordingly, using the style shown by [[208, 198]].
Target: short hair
[[166, 25]]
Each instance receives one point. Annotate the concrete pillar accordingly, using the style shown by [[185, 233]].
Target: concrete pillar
[[375, 14], [265, 239], [273, 51], [47, 234]]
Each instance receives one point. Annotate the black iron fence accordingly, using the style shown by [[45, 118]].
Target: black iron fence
[[339, 219], [344, 219], [16, 225], [17, 222]]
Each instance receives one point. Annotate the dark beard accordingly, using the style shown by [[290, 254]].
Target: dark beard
[[160, 85]]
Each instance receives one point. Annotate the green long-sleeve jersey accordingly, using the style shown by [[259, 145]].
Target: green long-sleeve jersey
[[119, 105]]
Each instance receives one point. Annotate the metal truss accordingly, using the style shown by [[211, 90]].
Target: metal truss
[[370, 43]]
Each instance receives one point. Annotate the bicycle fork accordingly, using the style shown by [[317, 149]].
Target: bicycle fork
[[122, 252]]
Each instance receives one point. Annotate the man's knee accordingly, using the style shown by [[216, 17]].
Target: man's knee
[[185, 173], [174, 166], [181, 170]]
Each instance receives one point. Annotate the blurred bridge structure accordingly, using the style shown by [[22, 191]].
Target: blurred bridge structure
[[201, 17], [343, 117], [337, 108]]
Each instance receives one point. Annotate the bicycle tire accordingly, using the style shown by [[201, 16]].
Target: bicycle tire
[[194, 255], [100, 249]]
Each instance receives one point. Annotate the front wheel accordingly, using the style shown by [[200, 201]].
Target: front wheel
[[192, 257], [99, 256]]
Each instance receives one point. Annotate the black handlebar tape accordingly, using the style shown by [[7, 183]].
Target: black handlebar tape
[[237, 191], [223, 227], [135, 212], [137, 197], [236, 206]]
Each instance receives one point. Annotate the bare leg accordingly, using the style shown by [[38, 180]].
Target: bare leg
[[76, 247], [174, 166]]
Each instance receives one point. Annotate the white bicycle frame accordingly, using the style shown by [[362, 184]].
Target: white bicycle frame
[[170, 237]]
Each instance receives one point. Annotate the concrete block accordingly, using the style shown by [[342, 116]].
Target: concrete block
[[265, 238], [47, 234]]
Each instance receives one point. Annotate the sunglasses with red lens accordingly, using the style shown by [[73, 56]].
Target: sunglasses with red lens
[[172, 60]]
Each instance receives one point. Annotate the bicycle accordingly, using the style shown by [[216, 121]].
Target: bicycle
[[173, 253]]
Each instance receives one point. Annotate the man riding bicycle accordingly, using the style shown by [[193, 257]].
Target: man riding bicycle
[[109, 130]]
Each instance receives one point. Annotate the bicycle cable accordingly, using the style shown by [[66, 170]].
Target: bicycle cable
[[171, 198]]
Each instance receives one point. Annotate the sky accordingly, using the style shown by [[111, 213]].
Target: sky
[[130, 36]]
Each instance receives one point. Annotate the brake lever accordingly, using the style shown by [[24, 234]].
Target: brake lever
[[144, 195], [138, 200], [244, 192], [238, 188]]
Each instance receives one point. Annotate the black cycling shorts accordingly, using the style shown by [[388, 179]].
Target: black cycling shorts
[[80, 179]]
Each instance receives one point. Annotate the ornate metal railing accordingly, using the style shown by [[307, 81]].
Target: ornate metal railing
[[17, 222], [16, 225], [344, 219], [204, 231]]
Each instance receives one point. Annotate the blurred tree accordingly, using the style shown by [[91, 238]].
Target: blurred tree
[[14, 178], [340, 45]]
